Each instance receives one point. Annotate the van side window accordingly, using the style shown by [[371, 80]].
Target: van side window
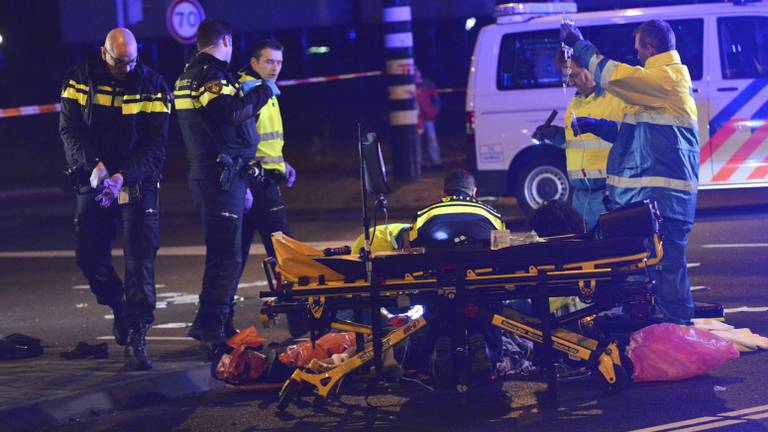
[[526, 60], [743, 46]]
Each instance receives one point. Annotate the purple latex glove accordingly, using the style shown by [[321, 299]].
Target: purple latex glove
[[111, 190], [248, 199], [290, 175]]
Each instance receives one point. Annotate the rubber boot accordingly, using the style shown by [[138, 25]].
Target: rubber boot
[[136, 355]]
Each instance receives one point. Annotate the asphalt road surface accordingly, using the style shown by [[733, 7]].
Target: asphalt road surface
[[42, 293]]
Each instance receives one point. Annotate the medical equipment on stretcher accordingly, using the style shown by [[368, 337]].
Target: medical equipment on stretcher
[[603, 268]]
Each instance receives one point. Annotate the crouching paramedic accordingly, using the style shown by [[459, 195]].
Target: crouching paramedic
[[458, 219], [216, 117], [114, 125]]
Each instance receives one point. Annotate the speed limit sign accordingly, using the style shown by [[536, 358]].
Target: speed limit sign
[[183, 17]]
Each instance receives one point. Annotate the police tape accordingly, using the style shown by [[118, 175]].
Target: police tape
[[30, 110], [56, 107]]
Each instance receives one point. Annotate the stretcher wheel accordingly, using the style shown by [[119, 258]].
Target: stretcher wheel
[[622, 379], [288, 394]]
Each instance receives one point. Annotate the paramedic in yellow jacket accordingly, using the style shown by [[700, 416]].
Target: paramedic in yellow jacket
[[656, 152], [586, 154], [267, 214]]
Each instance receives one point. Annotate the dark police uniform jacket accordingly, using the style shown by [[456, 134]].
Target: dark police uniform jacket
[[214, 115], [122, 123], [452, 221]]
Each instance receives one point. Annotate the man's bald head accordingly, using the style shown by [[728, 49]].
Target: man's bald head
[[120, 52]]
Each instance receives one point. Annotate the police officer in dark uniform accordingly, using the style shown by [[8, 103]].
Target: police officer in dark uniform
[[458, 220], [114, 125], [216, 116]]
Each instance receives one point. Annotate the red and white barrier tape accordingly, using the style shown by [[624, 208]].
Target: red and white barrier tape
[[29, 110], [286, 83], [52, 108]]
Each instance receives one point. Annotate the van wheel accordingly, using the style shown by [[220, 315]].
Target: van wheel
[[541, 181]]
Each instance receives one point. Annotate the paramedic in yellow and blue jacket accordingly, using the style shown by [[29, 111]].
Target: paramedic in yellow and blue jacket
[[656, 152]]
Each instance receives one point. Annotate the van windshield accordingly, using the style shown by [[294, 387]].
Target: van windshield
[[526, 59]]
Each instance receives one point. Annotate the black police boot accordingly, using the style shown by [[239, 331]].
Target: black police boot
[[119, 326], [441, 363], [479, 360], [209, 327], [136, 355]]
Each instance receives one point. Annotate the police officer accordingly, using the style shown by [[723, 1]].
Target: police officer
[[586, 154], [114, 125], [268, 212], [456, 220], [656, 152], [216, 117]]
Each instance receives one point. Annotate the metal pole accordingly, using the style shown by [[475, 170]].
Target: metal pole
[[403, 113]]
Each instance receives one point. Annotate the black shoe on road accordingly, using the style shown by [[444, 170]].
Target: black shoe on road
[[479, 360], [441, 363]]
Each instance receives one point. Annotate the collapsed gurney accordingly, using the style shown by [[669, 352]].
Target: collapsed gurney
[[603, 268]]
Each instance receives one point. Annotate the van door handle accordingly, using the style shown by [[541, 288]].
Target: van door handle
[[727, 89]]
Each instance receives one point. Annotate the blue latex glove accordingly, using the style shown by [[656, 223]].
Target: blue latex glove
[[605, 129], [247, 86], [271, 84], [111, 190], [570, 34], [290, 175]]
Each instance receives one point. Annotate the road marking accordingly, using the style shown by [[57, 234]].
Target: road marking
[[694, 425], [172, 325], [694, 264], [155, 338], [85, 287], [747, 309], [252, 284], [699, 288], [735, 245], [163, 251]]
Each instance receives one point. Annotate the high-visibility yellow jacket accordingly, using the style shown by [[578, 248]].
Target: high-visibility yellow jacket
[[269, 125], [656, 153], [454, 217]]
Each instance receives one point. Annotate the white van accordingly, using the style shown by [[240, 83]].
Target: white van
[[513, 86]]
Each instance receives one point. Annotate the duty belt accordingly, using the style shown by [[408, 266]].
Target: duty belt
[[236, 166]]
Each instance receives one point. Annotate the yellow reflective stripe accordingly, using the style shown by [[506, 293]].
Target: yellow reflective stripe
[[205, 97], [660, 119], [131, 97], [421, 220], [71, 93], [652, 181], [265, 160], [185, 103], [107, 100], [146, 106], [104, 88], [458, 203], [78, 85]]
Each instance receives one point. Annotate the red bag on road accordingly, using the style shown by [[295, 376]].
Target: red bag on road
[[301, 354], [670, 352]]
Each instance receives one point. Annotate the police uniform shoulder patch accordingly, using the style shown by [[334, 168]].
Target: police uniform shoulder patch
[[213, 87]]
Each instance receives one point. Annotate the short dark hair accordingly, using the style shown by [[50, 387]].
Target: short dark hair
[[266, 43], [211, 31], [458, 181], [556, 218], [658, 34]]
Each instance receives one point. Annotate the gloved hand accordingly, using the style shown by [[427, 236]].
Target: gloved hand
[[290, 175], [604, 129], [271, 84], [248, 199], [98, 175], [111, 190], [545, 133], [247, 86], [570, 34]]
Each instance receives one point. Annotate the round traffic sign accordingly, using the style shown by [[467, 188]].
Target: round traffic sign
[[183, 17]]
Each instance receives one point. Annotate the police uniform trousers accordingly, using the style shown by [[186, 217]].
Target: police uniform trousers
[[267, 214], [222, 213], [95, 231]]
